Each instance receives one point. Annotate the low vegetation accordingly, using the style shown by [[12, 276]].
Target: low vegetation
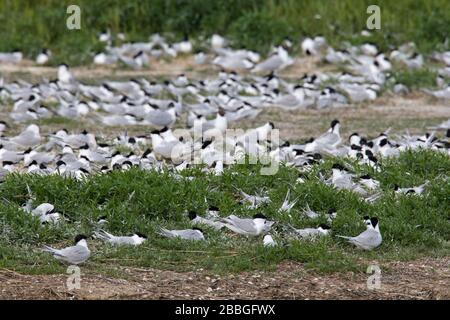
[[255, 24], [412, 225]]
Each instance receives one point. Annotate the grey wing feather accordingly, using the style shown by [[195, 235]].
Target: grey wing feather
[[159, 118], [51, 250], [243, 224], [367, 237], [328, 139]]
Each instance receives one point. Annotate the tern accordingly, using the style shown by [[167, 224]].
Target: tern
[[369, 239], [186, 234], [328, 140], [74, 255], [268, 241], [43, 57], [248, 227], [134, 240]]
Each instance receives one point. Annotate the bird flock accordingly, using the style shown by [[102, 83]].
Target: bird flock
[[250, 227], [188, 119], [78, 155]]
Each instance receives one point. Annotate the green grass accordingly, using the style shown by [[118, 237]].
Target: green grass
[[412, 226], [67, 123], [416, 79], [255, 24]]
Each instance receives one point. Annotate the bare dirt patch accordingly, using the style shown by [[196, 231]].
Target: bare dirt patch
[[414, 113], [157, 67], [420, 279]]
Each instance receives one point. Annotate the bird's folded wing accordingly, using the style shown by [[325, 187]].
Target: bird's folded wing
[[188, 234], [52, 250], [165, 233], [246, 225], [74, 251], [368, 236], [327, 139]]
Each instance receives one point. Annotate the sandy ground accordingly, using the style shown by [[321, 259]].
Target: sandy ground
[[414, 113], [421, 279]]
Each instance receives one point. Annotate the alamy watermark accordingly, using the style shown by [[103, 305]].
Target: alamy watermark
[[374, 280], [374, 20], [73, 281], [73, 21]]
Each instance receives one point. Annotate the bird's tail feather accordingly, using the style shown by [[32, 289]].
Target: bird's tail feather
[[47, 248], [286, 199], [164, 232], [103, 235], [51, 250], [290, 226], [343, 237]]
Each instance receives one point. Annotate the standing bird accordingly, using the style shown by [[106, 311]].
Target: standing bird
[[64, 74], [28, 138], [328, 141], [76, 254], [277, 61], [369, 239]]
